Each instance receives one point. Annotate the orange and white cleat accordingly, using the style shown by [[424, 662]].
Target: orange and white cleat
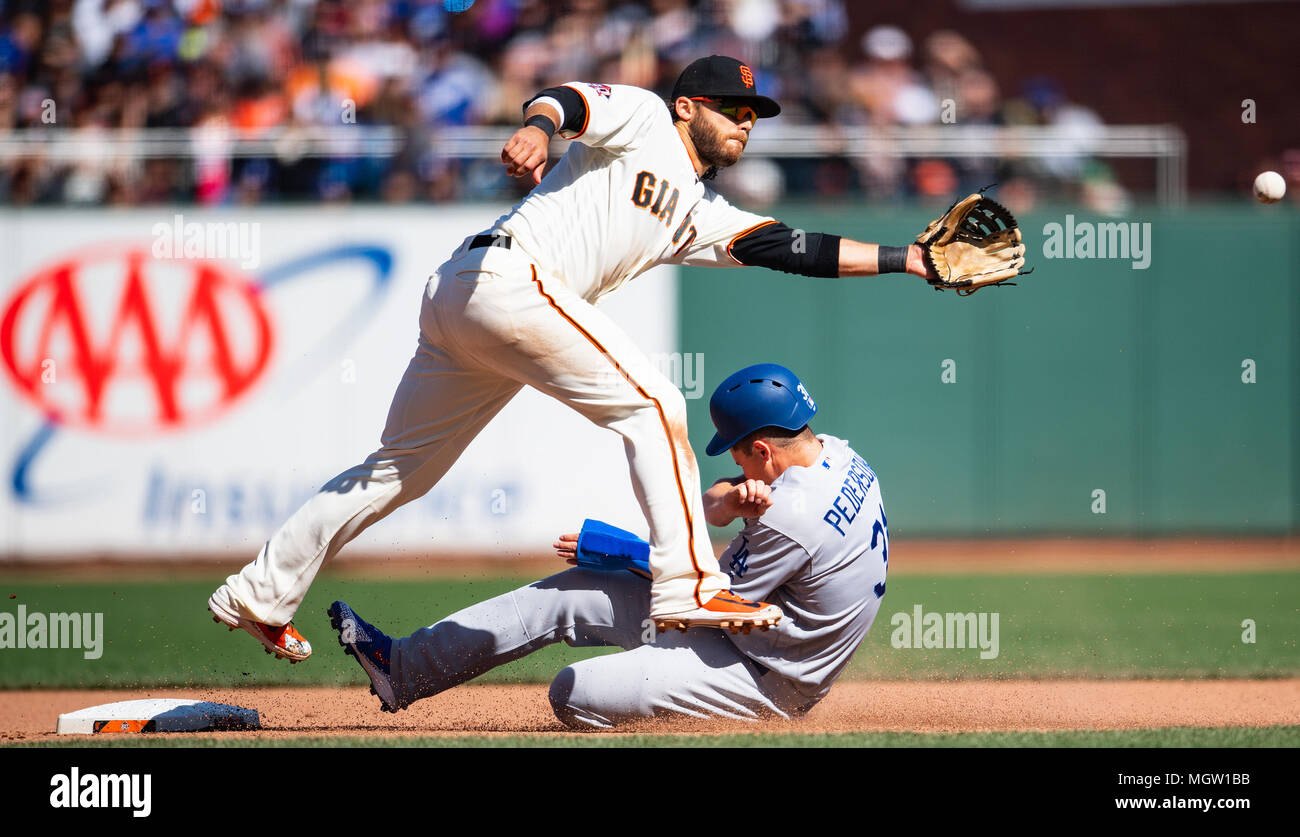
[[281, 640], [727, 611]]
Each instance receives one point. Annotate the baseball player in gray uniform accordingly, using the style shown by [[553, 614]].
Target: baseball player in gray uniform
[[515, 306], [814, 543]]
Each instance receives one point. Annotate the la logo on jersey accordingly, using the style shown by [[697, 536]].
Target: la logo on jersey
[[739, 564]]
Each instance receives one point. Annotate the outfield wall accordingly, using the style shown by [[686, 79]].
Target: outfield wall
[[1092, 374]]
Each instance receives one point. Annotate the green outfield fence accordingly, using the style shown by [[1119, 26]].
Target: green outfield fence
[[1089, 376]]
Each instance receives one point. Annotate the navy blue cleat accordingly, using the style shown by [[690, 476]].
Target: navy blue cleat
[[371, 647]]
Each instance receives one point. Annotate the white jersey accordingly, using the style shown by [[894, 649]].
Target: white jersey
[[820, 552], [624, 198]]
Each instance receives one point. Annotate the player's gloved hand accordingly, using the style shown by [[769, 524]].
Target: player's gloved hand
[[748, 499], [526, 152], [600, 546], [975, 244]]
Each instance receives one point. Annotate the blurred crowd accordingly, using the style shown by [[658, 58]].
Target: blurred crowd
[[91, 66]]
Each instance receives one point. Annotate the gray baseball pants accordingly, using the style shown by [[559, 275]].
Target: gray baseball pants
[[697, 674]]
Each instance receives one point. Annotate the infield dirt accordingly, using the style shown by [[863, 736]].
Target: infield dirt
[[959, 706]]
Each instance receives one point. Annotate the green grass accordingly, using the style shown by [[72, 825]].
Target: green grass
[[1124, 626], [1099, 626], [1282, 736]]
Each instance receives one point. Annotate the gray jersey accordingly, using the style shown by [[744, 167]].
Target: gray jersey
[[820, 552]]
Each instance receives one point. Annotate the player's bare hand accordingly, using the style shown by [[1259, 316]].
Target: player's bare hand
[[526, 152], [566, 546], [917, 264], [749, 498]]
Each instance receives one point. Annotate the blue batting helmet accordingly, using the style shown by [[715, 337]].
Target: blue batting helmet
[[762, 395]]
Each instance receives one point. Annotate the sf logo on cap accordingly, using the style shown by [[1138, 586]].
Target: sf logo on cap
[[746, 75]]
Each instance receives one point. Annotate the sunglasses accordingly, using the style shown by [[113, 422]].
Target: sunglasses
[[736, 113]]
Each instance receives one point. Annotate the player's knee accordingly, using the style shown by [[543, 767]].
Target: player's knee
[[673, 402], [561, 695], [663, 399], [577, 703], [667, 406]]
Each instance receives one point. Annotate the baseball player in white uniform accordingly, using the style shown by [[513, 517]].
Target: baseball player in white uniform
[[515, 306], [815, 543]]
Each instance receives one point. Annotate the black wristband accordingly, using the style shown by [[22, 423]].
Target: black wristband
[[543, 122], [891, 259]]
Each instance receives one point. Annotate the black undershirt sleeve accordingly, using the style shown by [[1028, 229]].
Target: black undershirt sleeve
[[778, 247], [575, 107]]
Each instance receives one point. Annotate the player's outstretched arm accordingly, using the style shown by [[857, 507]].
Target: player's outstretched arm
[[858, 258], [730, 237], [778, 247]]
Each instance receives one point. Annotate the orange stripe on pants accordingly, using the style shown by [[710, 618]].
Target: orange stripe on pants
[[663, 420]]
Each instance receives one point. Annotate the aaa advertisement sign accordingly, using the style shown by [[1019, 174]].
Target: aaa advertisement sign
[[184, 402]]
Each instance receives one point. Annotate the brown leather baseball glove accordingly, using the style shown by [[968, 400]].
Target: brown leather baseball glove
[[976, 243]]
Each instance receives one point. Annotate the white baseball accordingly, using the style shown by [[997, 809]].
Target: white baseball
[[1269, 187]]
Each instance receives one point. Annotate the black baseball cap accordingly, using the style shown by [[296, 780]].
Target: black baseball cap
[[720, 77]]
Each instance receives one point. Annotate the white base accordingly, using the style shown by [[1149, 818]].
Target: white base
[[157, 715]]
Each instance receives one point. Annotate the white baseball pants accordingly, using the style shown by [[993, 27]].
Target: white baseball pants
[[491, 322], [699, 674]]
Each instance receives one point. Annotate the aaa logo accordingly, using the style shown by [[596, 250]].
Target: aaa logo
[[114, 340]]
